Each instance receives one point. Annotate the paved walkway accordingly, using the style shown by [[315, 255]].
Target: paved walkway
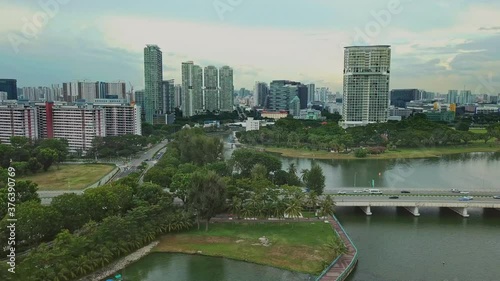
[[344, 261]]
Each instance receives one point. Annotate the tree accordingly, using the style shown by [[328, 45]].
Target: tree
[[463, 125], [314, 179], [47, 157], [25, 191], [19, 142], [207, 195], [152, 194], [33, 165], [494, 131], [73, 209], [180, 186], [245, 159], [59, 145], [327, 206], [40, 223], [259, 171]]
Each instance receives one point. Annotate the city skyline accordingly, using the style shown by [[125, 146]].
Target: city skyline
[[454, 50]]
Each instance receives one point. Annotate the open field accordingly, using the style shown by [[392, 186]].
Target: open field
[[69, 177], [391, 154], [295, 246]]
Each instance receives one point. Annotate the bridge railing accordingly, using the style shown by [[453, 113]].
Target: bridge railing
[[348, 269], [354, 258]]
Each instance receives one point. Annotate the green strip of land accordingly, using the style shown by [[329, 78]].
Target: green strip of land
[[390, 154], [295, 246], [69, 177]]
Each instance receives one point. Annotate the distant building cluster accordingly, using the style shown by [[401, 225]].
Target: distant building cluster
[[79, 123], [209, 89]]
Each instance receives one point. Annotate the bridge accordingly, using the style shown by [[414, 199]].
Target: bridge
[[413, 202]]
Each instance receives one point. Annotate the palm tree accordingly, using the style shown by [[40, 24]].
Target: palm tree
[[312, 201], [236, 206], [292, 168], [294, 208], [327, 206]]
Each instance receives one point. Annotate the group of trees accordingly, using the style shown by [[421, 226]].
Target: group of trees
[[30, 157], [194, 171], [77, 234], [416, 131]]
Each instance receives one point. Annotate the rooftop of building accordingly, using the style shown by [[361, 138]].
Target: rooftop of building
[[368, 46]]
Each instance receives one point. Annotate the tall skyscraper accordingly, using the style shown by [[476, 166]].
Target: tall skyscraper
[[153, 77], [282, 92], [168, 93], [9, 86], [226, 88], [452, 96], [139, 100], [311, 91], [399, 97], [466, 97], [70, 92], [211, 88], [178, 96], [260, 93], [192, 89], [87, 91], [366, 84]]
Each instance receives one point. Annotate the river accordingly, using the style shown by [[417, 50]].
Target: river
[[181, 267], [392, 244]]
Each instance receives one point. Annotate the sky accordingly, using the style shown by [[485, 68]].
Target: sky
[[436, 45]]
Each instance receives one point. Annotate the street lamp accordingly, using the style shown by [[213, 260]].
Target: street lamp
[[355, 174]]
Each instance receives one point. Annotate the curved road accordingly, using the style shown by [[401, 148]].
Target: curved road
[[125, 169]]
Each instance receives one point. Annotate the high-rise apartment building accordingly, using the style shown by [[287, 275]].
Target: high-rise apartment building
[[260, 93], [452, 96], [211, 81], [192, 89], [311, 93], [366, 84], [78, 123], [399, 97], [153, 77], [466, 97], [178, 96], [17, 120], [139, 100], [9, 86], [168, 95], [116, 89], [282, 92], [226, 85]]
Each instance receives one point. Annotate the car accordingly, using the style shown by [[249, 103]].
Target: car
[[496, 197], [394, 197], [454, 190], [405, 191], [357, 191], [469, 197], [464, 192], [464, 199], [341, 192], [366, 190]]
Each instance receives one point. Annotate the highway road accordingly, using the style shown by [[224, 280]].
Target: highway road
[[413, 198], [125, 169]]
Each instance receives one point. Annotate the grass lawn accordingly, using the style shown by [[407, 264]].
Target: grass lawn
[[69, 177], [296, 246], [478, 131], [391, 154]]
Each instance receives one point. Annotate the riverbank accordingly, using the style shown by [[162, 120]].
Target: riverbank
[[119, 264], [304, 251], [406, 153]]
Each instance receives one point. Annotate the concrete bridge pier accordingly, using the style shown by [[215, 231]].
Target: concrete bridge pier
[[367, 210], [413, 210], [461, 211]]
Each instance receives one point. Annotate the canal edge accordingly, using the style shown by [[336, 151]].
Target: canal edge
[[344, 264]]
